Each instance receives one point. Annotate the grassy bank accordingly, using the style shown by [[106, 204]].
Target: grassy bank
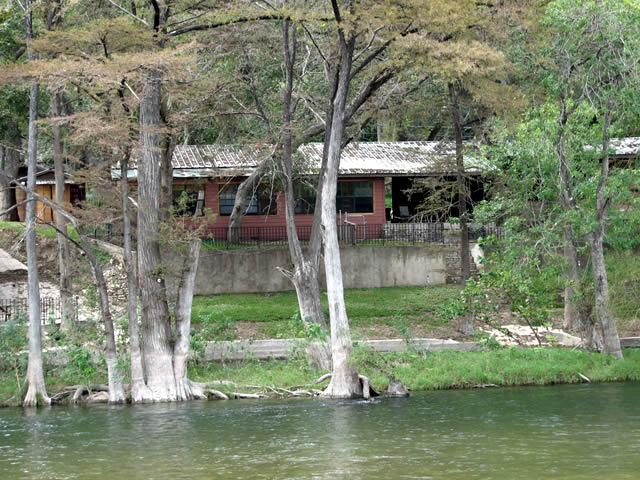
[[420, 371], [445, 370], [401, 307]]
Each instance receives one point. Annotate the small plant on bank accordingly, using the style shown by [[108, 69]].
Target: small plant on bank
[[210, 329], [13, 342], [80, 364]]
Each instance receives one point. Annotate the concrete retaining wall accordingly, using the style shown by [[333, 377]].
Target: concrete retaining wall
[[282, 349], [243, 271]]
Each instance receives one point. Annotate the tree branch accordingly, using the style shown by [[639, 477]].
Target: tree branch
[[131, 14]]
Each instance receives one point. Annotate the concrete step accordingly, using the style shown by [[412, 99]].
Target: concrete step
[[282, 349]]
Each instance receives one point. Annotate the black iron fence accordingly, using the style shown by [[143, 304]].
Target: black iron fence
[[220, 238], [265, 236], [50, 309], [477, 231]]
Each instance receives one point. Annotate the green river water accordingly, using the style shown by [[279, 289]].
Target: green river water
[[569, 432]]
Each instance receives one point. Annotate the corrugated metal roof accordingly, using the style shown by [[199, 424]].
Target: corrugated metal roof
[[395, 158], [357, 159]]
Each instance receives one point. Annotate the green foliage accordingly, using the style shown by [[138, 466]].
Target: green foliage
[[102, 255], [80, 364], [295, 328], [13, 342], [91, 294]]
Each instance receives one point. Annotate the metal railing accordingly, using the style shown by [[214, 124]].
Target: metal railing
[[50, 309], [349, 233], [220, 238]]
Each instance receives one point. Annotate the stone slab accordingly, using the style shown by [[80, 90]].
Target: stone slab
[[282, 349]]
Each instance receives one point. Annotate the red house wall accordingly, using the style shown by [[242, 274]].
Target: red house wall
[[302, 221]]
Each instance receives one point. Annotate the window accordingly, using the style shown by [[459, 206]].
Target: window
[[260, 203], [352, 197], [305, 199], [188, 200], [355, 197]]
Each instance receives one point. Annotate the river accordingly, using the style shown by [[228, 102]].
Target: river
[[568, 432]]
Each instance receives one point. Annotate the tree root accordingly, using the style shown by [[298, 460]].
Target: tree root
[[254, 396], [217, 395], [324, 377]]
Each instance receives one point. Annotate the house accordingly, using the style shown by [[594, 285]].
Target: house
[[46, 187], [208, 176]]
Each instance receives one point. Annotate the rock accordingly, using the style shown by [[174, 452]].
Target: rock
[[397, 388]]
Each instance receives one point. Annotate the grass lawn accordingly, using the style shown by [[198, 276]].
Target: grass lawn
[[395, 306]]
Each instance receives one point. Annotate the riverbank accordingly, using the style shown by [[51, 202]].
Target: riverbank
[[419, 371]]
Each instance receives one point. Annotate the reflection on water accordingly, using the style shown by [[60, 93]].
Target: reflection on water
[[557, 432]]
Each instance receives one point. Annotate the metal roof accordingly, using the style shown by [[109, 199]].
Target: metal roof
[[357, 159]]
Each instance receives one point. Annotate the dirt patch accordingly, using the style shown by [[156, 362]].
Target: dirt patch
[[249, 331]]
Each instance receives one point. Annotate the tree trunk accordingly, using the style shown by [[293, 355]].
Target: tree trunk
[[466, 326], [139, 391], [601, 282], [37, 391], [601, 289], [10, 157], [156, 331], [186, 390], [67, 306], [305, 273], [572, 320], [577, 311], [345, 382], [239, 205], [116, 387]]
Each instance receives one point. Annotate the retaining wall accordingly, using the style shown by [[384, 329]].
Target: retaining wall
[[243, 271]]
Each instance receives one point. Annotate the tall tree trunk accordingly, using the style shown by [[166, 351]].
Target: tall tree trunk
[[596, 240], [466, 326], [139, 391], [116, 387], [305, 272], [345, 382], [10, 157], [577, 311], [305, 267], [37, 391], [611, 340], [67, 306], [156, 332]]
